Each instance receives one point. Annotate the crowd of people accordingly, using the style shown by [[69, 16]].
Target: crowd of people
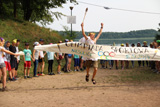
[[10, 59]]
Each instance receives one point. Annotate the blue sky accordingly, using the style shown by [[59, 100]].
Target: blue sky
[[114, 20]]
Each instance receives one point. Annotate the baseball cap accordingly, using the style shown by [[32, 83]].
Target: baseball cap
[[158, 41], [1, 39], [41, 40], [36, 43], [144, 41], [122, 44], [26, 44], [14, 41], [66, 40]]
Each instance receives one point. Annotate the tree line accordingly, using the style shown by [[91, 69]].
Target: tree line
[[32, 10], [115, 35]]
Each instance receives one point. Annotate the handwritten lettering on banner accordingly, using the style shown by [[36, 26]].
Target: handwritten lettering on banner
[[103, 51]]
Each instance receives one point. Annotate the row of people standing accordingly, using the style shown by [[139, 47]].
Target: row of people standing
[[125, 63]]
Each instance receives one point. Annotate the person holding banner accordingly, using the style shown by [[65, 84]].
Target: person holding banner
[[92, 40]]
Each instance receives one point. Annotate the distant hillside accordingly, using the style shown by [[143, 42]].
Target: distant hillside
[[132, 34], [26, 32]]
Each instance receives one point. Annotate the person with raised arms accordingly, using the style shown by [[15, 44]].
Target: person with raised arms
[[92, 40]]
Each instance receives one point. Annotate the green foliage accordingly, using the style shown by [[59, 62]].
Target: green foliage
[[67, 33], [32, 10]]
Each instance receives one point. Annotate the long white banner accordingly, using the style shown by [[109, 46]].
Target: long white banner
[[103, 51]]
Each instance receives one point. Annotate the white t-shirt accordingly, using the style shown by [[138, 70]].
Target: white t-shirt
[[36, 55], [1, 53], [89, 41], [41, 53], [5, 59], [83, 40], [17, 50]]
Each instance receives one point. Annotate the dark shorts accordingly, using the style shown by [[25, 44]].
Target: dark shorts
[[13, 64], [40, 60], [90, 62], [2, 65], [59, 62], [17, 64]]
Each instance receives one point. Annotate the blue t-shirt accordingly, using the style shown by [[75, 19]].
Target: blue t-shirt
[[69, 55], [50, 55], [27, 54]]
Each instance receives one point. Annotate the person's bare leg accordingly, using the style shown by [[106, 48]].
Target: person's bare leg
[[42, 69], [4, 76], [87, 70], [24, 71], [10, 74], [69, 64], [13, 72], [0, 74], [94, 73], [28, 70]]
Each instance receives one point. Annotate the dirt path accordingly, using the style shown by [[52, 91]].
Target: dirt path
[[70, 90]]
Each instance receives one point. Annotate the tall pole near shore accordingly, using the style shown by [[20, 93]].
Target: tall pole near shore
[[71, 8]]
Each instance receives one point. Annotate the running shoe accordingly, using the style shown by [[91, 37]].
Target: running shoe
[[4, 89], [29, 77], [42, 74], [25, 77], [52, 73]]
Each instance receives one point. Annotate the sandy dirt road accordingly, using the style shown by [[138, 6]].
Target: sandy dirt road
[[71, 90]]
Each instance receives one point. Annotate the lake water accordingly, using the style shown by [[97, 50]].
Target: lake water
[[124, 40]]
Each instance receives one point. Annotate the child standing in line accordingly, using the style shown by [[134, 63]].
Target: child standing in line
[[35, 57], [76, 62], [27, 60], [50, 56], [7, 60]]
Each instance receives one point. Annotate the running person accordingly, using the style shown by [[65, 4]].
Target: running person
[[92, 40]]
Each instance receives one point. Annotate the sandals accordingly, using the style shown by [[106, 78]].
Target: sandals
[[87, 78], [93, 81]]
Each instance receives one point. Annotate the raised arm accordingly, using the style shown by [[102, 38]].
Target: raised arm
[[85, 36], [9, 52], [100, 32]]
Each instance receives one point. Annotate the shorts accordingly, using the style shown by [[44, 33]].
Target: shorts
[[8, 66], [40, 60], [2, 65], [90, 62], [59, 62], [27, 64], [17, 64], [13, 64]]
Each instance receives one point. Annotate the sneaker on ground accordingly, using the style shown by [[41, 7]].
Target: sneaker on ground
[[29, 77], [36, 76], [4, 89], [52, 73], [25, 77], [42, 74]]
